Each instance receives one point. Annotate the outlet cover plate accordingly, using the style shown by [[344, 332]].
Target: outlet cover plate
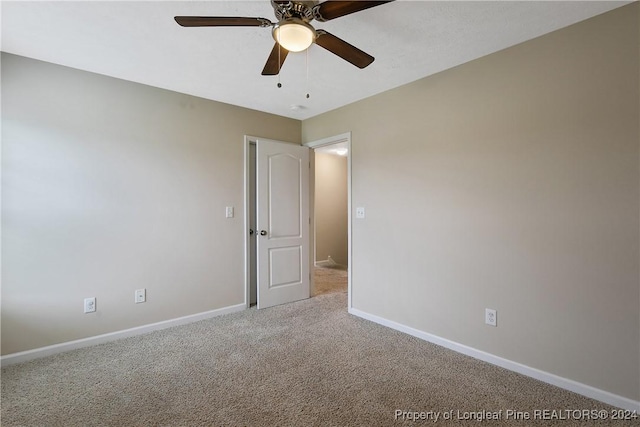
[[140, 296], [490, 317], [90, 305]]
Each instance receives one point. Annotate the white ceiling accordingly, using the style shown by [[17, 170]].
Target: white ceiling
[[140, 42]]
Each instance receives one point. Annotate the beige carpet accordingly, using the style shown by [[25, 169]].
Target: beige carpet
[[330, 279], [303, 364]]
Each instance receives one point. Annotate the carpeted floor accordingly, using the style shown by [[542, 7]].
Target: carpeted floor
[[308, 363], [330, 279]]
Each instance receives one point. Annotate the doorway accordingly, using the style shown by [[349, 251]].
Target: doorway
[[338, 142], [331, 194]]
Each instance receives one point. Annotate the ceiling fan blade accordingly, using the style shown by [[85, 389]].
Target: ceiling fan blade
[[221, 21], [335, 9], [275, 61], [343, 49]]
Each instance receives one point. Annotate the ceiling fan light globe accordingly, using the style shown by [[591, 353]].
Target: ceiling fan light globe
[[294, 35]]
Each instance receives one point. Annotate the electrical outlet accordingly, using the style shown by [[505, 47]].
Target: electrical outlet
[[360, 213], [229, 211], [141, 296], [490, 317], [90, 305]]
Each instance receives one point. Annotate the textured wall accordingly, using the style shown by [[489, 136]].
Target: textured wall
[[110, 186], [510, 182]]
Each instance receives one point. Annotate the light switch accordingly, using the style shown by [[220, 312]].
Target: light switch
[[229, 211], [359, 212]]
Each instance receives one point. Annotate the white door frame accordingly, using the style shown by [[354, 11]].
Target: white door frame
[[248, 140], [342, 138]]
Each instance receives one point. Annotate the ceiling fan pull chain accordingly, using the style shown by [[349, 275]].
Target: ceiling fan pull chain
[[279, 62], [307, 63]]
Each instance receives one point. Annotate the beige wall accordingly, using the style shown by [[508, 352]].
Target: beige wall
[[511, 182], [110, 186], [331, 207]]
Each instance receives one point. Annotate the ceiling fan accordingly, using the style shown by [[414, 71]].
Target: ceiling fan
[[293, 32]]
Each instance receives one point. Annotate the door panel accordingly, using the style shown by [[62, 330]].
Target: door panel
[[284, 265], [283, 222], [285, 199]]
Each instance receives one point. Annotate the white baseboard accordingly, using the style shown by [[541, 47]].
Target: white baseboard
[[25, 356], [567, 384], [330, 263]]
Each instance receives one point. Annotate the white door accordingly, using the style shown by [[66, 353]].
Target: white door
[[282, 222]]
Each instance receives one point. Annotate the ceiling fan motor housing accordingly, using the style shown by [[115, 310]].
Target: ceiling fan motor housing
[[294, 9]]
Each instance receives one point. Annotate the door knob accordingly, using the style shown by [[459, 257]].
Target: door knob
[[263, 233], [251, 232]]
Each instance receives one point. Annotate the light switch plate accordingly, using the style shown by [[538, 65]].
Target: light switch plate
[[229, 211]]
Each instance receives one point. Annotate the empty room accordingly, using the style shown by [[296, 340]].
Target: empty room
[[258, 213]]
